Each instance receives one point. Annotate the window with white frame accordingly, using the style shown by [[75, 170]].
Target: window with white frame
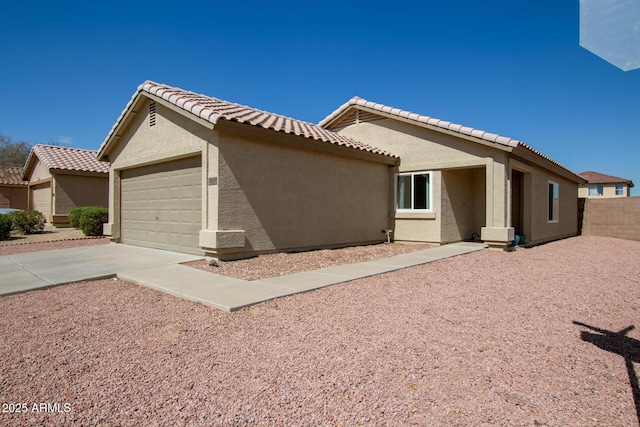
[[554, 202], [414, 191], [619, 190], [596, 190]]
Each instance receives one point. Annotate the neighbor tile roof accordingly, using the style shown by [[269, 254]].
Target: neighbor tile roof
[[600, 178], [65, 158], [437, 123], [11, 176], [213, 109]]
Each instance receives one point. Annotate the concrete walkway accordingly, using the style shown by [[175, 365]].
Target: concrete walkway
[[24, 272], [161, 270], [231, 294]]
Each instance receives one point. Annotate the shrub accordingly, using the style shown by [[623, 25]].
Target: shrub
[[6, 225], [92, 219], [27, 222], [75, 215]]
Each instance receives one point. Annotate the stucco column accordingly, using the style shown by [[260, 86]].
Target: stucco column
[[210, 238], [497, 232], [112, 228], [489, 193]]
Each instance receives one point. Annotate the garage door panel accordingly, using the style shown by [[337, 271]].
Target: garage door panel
[[161, 205], [41, 198]]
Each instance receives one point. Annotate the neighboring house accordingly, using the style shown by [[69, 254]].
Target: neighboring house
[[196, 174], [604, 186], [454, 182], [62, 178], [13, 190]]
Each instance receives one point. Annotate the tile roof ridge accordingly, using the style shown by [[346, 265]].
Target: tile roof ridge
[[64, 147], [230, 102], [201, 106], [421, 118]]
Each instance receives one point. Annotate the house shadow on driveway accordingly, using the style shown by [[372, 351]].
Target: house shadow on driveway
[[622, 345]]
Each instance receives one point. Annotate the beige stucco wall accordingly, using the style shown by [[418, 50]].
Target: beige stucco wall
[[472, 185], [567, 225], [72, 191], [173, 136], [286, 197], [609, 191], [477, 171], [39, 173]]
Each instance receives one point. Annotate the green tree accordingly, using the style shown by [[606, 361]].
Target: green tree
[[13, 153]]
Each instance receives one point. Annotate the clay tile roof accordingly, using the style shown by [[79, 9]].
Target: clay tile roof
[[442, 124], [600, 178], [65, 158], [437, 123], [213, 109], [11, 176]]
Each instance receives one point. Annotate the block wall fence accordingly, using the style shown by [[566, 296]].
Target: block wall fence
[[618, 218]]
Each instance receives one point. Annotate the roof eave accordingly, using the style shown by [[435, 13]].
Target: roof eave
[[115, 133], [538, 158], [336, 114], [28, 165], [67, 171]]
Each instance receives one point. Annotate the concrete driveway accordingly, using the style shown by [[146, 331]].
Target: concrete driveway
[[160, 270], [24, 272]]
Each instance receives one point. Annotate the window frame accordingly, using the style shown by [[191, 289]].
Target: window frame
[[429, 187], [553, 214], [598, 190], [619, 187]]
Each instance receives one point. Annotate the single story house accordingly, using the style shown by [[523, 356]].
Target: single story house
[[197, 174], [63, 178], [13, 190], [200, 175], [599, 185], [455, 182]]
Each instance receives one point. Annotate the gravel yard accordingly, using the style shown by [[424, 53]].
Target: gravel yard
[[273, 265], [483, 339]]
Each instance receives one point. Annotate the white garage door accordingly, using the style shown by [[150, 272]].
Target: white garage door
[[161, 205], [41, 199]]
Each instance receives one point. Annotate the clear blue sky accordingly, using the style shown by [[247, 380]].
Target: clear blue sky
[[67, 69]]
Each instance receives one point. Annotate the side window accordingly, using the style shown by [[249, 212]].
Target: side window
[[554, 202], [596, 190], [413, 191], [619, 190]]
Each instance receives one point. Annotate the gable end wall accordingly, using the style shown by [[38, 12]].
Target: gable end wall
[[171, 137]]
